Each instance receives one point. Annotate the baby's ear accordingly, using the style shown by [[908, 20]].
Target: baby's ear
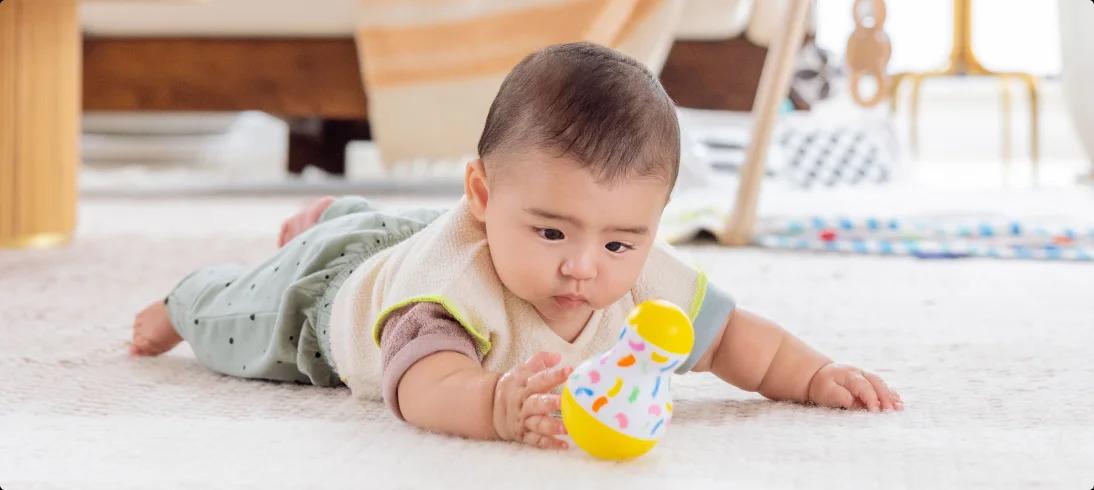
[[476, 188]]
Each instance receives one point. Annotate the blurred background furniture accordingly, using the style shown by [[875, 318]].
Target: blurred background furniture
[[304, 64], [963, 62], [39, 121], [1076, 39]]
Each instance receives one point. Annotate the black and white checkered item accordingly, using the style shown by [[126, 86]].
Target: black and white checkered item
[[805, 153], [832, 157]]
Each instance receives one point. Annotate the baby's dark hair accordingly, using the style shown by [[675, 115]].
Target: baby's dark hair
[[589, 103]]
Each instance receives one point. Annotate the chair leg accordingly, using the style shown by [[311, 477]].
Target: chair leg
[[1005, 101], [774, 85], [1034, 129], [913, 114]]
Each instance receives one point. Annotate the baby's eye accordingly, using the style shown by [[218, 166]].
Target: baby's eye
[[550, 234], [618, 247]]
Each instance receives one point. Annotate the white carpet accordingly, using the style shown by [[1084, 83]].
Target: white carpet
[[993, 359]]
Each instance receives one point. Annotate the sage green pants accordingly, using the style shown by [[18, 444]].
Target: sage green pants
[[270, 322]]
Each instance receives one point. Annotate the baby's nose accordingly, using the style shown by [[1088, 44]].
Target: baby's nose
[[579, 268]]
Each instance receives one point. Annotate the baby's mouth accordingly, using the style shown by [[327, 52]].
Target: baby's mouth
[[569, 301]]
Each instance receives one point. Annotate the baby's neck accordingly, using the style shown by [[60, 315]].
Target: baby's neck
[[569, 329]]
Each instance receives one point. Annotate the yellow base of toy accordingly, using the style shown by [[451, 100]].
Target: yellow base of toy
[[596, 438]]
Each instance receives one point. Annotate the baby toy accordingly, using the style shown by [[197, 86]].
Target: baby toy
[[617, 405]]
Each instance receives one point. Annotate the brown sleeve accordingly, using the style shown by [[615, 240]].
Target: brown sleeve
[[412, 333]]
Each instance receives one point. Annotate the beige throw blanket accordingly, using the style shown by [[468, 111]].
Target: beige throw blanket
[[432, 67]]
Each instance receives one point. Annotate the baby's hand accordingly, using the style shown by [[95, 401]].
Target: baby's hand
[[840, 385], [302, 220], [523, 402]]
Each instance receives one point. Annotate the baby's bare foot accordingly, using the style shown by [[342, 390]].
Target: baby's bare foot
[[153, 333]]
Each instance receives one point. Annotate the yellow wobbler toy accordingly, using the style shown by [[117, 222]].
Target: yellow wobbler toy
[[617, 405]]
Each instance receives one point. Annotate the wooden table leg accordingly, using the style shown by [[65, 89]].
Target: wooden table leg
[[39, 121]]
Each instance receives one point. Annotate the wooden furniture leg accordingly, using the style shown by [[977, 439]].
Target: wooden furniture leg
[[39, 121], [322, 142], [774, 85]]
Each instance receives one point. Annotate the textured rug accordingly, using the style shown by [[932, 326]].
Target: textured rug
[[992, 358]]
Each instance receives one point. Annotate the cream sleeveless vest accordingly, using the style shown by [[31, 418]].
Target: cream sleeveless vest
[[449, 263]]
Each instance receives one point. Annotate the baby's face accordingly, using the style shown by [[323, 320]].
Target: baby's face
[[564, 242]]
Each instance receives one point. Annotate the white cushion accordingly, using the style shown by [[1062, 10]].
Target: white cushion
[[220, 18], [713, 20]]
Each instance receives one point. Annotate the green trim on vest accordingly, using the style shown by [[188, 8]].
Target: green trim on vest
[[482, 342], [700, 294]]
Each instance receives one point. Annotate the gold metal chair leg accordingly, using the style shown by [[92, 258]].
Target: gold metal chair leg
[[1034, 127], [894, 90], [1005, 100], [913, 113]]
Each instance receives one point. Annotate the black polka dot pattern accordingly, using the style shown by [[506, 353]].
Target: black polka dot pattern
[[231, 340]]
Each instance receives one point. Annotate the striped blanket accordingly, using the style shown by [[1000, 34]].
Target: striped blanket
[[431, 67]]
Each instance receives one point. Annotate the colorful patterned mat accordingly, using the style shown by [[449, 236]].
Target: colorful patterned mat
[[929, 239]]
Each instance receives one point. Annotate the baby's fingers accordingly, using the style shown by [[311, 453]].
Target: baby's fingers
[[838, 396], [545, 424], [886, 396], [541, 361], [541, 404], [548, 379], [546, 442], [864, 391]]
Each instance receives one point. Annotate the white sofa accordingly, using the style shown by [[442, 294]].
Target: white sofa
[[699, 19]]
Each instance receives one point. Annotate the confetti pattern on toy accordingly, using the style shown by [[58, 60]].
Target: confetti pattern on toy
[[599, 403], [658, 358], [634, 395], [594, 377], [583, 391], [636, 346], [668, 406], [670, 366], [627, 361], [657, 426], [622, 419], [656, 387], [655, 410], [615, 388]]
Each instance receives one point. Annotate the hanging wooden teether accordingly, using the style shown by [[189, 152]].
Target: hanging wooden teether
[[868, 50]]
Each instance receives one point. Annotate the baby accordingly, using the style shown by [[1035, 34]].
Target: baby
[[466, 321]]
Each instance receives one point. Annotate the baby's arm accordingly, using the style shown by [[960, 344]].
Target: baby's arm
[[451, 393], [433, 378], [755, 354]]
